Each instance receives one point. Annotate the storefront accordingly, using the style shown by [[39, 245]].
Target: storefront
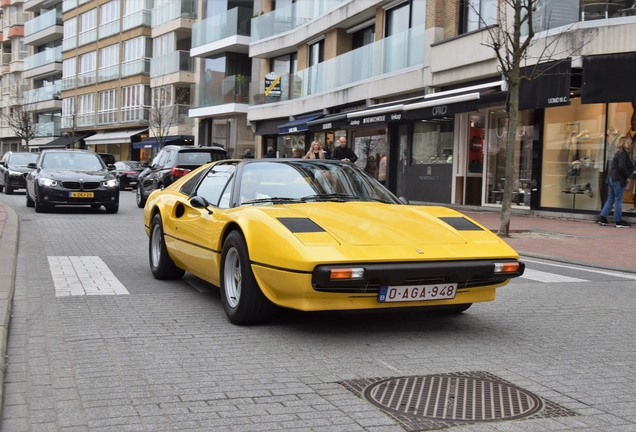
[[117, 143], [294, 136]]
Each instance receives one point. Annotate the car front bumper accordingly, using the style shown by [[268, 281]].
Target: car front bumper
[[62, 196]]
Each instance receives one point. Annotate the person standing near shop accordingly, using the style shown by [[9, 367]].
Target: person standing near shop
[[270, 153], [382, 170], [343, 153], [315, 152], [619, 178]]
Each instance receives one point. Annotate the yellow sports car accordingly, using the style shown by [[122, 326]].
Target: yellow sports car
[[313, 234]]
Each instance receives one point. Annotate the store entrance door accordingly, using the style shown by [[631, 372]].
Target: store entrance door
[[475, 158]]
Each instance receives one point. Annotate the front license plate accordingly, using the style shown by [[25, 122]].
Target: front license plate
[[417, 293], [81, 194]]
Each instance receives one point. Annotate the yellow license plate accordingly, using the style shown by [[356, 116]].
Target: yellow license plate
[[81, 194]]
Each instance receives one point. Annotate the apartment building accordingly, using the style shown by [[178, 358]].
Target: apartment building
[[416, 82], [13, 51]]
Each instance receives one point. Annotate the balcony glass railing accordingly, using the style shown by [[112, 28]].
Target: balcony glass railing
[[69, 44], [173, 10], [44, 21], [49, 56], [87, 37], [69, 83], [135, 67], [178, 61], [289, 17], [67, 5], [219, 92], [48, 129], [231, 23], [85, 119], [550, 14], [6, 59], [135, 114], [108, 73], [172, 115], [400, 51], [18, 18], [108, 29], [86, 78], [140, 18], [51, 92]]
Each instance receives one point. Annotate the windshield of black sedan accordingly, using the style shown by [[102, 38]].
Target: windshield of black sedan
[[72, 161], [23, 158], [309, 181]]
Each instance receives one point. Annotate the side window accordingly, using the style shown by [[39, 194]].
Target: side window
[[158, 161], [213, 185], [189, 186]]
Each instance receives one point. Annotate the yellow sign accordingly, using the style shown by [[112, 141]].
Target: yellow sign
[[271, 86]]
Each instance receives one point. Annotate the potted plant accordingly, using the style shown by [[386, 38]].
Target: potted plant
[[240, 81]]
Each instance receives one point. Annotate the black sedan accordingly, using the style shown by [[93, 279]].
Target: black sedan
[[128, 172], [71, 177], [13, 167]]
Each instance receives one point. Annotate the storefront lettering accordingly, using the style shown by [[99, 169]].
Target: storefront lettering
[[440, 110], [354, 123], [430, 178], [326, 125], [375, 119], [396, 117], [293, 129], [557, 100]]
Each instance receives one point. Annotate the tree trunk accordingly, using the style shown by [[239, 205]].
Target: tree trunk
[[513, 120]]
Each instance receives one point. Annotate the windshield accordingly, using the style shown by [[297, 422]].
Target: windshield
[[305, 181], [23, 158], [72, 161]]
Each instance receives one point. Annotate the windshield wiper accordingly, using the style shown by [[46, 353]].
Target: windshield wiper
[[339, 197], [274, 200]]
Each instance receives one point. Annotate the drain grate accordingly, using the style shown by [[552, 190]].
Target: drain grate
[[433, 401]]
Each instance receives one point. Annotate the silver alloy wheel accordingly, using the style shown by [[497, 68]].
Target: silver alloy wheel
[[232, 278], [155, 245]]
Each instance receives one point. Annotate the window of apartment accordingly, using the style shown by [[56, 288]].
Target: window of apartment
[[87, 66], [137, 53], [364, 36], [163, 45], [86, 110], [476, 14], [107, 108], [162, 96], [109, 62], [88, 21], [68, 112], [69, 71], [316, 53], [109, 12], [70, 28], [135, 103]]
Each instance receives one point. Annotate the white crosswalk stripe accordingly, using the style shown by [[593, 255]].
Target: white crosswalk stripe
[[83, 275], [546, 277]]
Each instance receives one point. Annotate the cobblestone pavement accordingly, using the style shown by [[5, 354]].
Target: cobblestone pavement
[[164, 357]]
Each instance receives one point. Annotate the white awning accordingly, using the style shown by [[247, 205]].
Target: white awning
[[40, 141], [120, 137]]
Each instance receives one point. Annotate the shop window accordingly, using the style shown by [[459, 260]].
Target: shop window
[[476, 14], [432, 142]]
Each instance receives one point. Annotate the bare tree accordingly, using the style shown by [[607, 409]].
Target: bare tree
[[164, 111], [513, 41], [70, 121], [17, 115]]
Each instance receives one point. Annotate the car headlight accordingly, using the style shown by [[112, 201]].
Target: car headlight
[[15, 173], [110, 183], [47, 182]]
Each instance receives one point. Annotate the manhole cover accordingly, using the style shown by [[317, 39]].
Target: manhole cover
[[455, 398]]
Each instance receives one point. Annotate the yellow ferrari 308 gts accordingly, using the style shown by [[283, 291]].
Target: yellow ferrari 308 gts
[[311, 234]]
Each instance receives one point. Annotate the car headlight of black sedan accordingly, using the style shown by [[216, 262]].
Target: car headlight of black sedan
[[47, 182]]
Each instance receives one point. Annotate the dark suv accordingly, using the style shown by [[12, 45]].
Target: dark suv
[[13, 168], [171, 163]]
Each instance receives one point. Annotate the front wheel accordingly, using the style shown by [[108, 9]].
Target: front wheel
[[7, 189], [161, 265], [243, 300], [139, 197], [112, 208], [40, 207]]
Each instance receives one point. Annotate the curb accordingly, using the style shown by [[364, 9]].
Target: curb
[[8, 256]]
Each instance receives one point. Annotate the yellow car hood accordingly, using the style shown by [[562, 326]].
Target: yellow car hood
[[368, 224]]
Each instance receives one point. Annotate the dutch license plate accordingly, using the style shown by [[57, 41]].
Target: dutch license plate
[[81, 194], [416, 293]]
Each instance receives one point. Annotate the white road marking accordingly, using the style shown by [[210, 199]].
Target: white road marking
[[383, 363], [587, 269], [546, 277], [83, 275]]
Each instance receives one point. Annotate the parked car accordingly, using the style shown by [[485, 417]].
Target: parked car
[[71, 177], [312, 234], [108, 158], [127, 173], [172, 163], [13, 167]]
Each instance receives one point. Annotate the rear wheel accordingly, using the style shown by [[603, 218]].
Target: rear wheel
[[161, 264], [243, 300], [139, 197]]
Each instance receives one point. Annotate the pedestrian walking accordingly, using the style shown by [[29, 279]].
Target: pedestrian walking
[[620, 178]]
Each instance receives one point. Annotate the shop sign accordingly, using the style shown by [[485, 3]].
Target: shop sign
[[447, 110], [384, 118], [272, 85]]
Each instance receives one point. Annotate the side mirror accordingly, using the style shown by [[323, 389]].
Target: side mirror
[[3, 163], [144, 165], [111, 167], [200, 202], [403, 200], [32, 165]]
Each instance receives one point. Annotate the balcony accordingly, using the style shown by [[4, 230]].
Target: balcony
[[48, 129], [231, 24], [136, 114], [43, 29], [139, 18], [69, 83], [69, 43], [219, 90], [290, 17], [108, 73], [87, 37], [51, 92], [18, 18], [84, 120], [174, 10], [48, 56], [391, 54], [135, 67], [172, 116], [86, 78], [178, 61], [108, 29], [6, 59]]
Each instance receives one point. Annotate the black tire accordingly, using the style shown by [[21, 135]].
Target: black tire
[[1, 187], [112, 208], [39, 207], [161, 265], [29, 201], [139, 197], [242, 298], [8, 190]]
